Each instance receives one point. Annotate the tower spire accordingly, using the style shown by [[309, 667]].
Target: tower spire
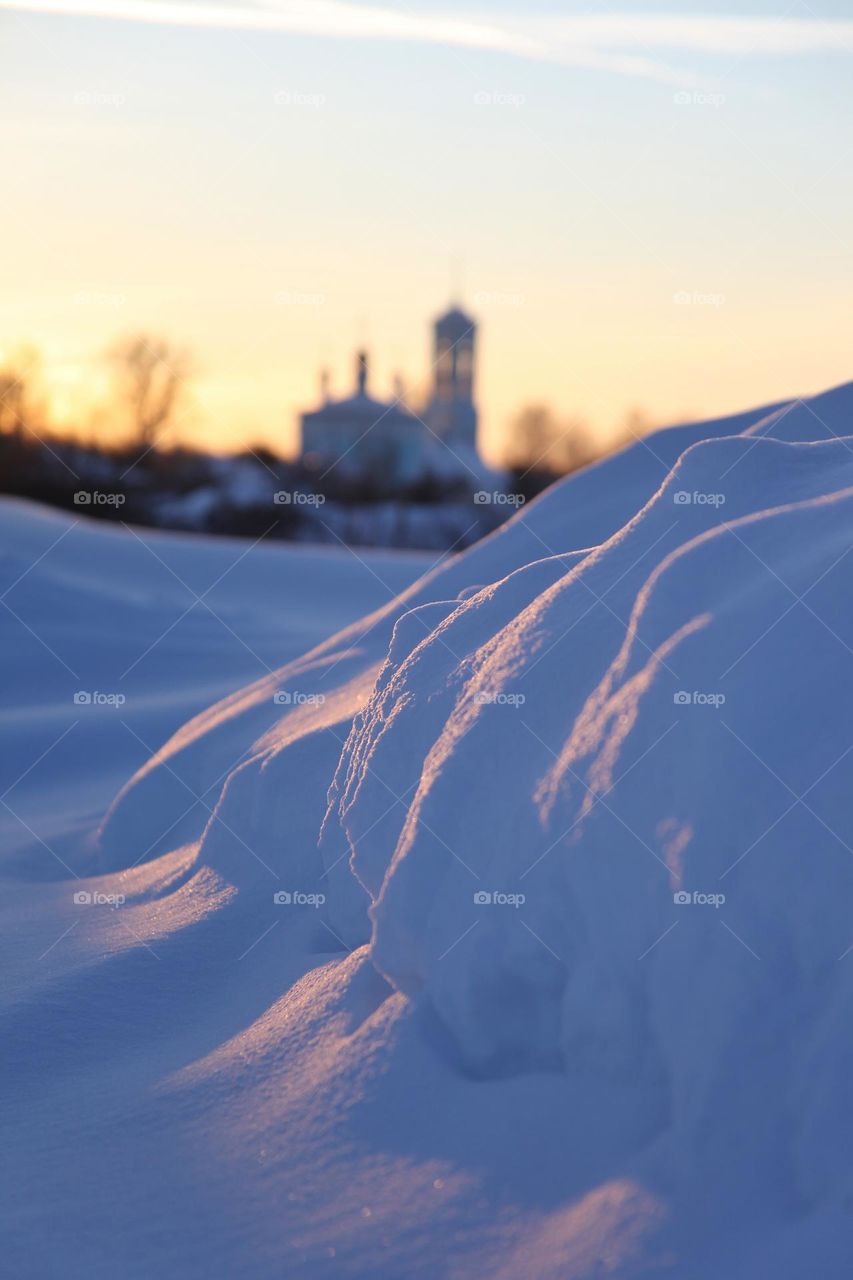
[[457, 279]]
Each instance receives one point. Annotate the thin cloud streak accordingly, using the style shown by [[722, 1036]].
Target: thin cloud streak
[[703, 33], [617, 43]]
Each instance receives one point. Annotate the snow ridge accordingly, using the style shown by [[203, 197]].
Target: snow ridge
[[571, 818]]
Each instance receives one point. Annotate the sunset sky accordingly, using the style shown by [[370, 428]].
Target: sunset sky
[[642, 209]]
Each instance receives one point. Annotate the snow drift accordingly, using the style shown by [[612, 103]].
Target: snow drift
[[508, 931]]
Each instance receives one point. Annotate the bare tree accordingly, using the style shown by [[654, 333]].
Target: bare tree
[[20, 410], [152, 377], [540, 442]]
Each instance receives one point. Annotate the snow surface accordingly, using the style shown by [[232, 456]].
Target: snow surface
[[297, 1043]]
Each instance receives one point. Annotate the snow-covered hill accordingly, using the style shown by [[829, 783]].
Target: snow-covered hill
[[506, 932]]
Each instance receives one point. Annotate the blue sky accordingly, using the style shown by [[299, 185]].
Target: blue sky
[[641, 209]]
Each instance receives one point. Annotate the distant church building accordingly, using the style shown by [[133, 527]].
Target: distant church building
[[362, 437], [451, 413]]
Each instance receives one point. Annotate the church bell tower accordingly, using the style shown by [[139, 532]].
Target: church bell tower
[[452, 414]]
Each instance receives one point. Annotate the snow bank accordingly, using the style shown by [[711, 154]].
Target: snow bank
[[568, 819]]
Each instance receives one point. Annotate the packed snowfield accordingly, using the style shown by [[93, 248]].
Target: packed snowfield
[[365, 916]]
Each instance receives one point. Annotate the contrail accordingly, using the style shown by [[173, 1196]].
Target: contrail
[[624, 44]]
